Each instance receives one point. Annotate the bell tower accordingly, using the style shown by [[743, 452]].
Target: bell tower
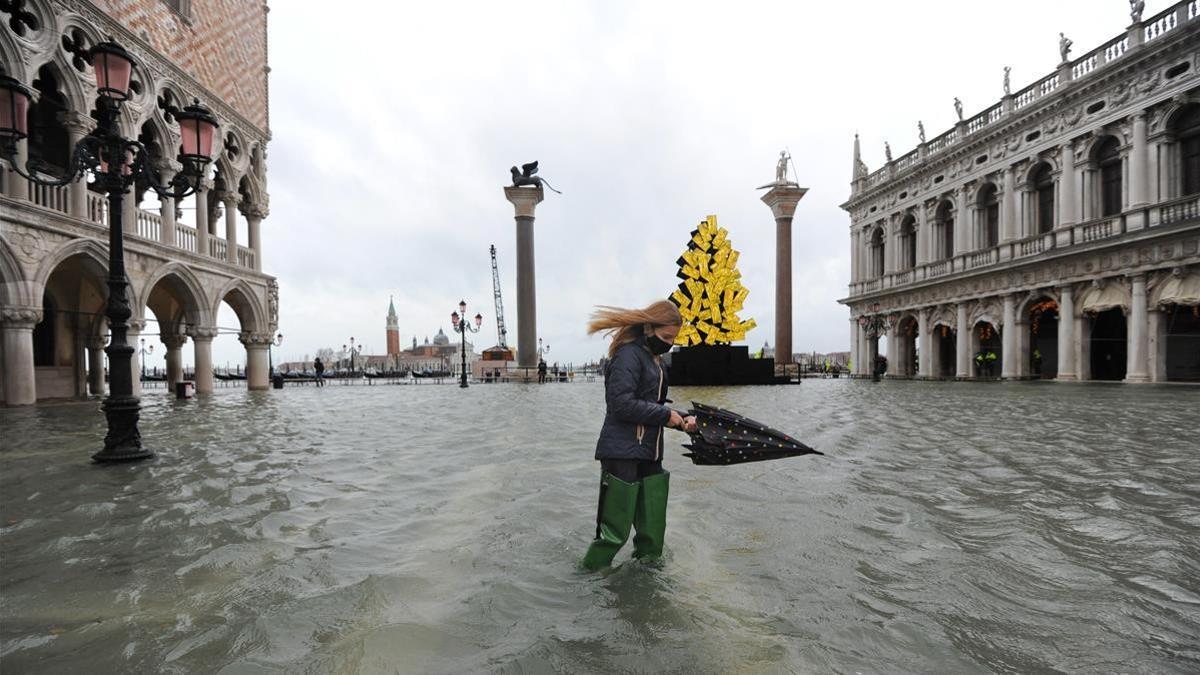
[[393, 330]]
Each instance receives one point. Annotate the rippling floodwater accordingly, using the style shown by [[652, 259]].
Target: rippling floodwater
[[950, 527]]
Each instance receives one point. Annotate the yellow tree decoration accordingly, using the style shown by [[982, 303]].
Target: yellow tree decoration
[[712, 293]]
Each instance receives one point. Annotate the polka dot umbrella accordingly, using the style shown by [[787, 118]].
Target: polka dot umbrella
[[724, 437]]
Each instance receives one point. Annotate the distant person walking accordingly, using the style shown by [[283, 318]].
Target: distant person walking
[[541, 372], [319, 368], [633, 483]]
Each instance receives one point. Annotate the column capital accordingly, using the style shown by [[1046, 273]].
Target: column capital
[[230, 197], [136, 325], [524, 199], [20, 317], [97, 341], [77, 124], [258, 210], [205, 185], [202, 334], [782, 200], [166, 167], [173, 341], [255, 340]]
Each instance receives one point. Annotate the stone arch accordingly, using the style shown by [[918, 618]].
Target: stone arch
[[1025, 302], [235, 150], [14, 287], [11, 60], [250, 190], [89, 248], [244, 301], [69, 81], [985, 310], [39, 39], [194, 300]]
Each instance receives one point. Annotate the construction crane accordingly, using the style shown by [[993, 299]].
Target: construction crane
[[500, 330]]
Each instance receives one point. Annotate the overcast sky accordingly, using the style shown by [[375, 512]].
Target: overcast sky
[[394, 126]]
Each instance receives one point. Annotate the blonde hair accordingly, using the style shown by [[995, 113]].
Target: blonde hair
[[628, 325]]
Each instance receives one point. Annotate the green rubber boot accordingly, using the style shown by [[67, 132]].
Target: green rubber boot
[[618, 500], [650, 517]]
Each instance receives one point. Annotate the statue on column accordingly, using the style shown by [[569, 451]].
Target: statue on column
[[781, 167], [1136, 7], [887, 151], [921, 131], [958, 108], [1064, 47], [1007, 83], [525, 177]]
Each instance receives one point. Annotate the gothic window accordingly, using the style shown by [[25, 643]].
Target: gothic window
[[1043, 189], [945, 230], [989, 216], [908, 243], [48, 139], [877, 249], [1108, 159], [1187, 130]]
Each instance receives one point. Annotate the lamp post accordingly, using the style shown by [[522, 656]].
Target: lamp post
[[277, 342], [143, 352], [542, 349], [462, 326], [875, 324], [115, 163]]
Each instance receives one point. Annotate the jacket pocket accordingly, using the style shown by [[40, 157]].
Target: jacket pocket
[[641, 432]]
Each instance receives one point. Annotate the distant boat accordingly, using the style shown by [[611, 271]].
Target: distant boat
[[229, 376], [431, 373]]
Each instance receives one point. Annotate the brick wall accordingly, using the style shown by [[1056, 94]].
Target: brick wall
[[223, 44]]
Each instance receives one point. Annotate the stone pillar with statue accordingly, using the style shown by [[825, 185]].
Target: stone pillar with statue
[[782, 198], [525, 194]]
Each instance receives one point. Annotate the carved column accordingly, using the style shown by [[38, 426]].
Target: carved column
[[202, 226], [962, 221], [95, 362], [1066, 335], [257, 344], [1008, 223], [174, 345], [854, 241], [924, 343], [893, 351], [202, 339], [923, 237], [854, 343], [16, 331], [1066, 194], [524, 201], [1138, 172], [1008, 339], [254, 216], [962, 344], [1136, 369], [166, 172], [78, 126], [782, 201], [230, 199]]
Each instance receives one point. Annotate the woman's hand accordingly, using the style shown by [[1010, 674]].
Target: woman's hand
[[676, 421], [689, 424]]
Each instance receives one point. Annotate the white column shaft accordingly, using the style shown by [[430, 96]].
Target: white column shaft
[[1139, 325], [1066, 335], [20, 383], [1008, 339], [962, 344]]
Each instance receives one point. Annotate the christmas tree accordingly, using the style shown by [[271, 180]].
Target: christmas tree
[[711, 294]]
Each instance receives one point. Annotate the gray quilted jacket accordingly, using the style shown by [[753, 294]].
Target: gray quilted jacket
[[635, 390]]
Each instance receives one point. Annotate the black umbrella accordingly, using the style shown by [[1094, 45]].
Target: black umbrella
[[724, 437]]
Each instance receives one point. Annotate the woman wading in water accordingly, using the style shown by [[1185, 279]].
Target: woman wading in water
[[633, 484]]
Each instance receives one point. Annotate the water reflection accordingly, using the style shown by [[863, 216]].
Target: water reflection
[[964, 528]]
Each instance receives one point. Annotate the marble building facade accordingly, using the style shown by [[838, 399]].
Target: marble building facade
[[53, 241], [1056, 234]]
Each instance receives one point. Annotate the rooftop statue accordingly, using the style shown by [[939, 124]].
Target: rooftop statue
[[1064, 47], [781, 167], [1007, 83], [1136, 7], [921, 131], [887, 151], [525, 177], [958, 108]]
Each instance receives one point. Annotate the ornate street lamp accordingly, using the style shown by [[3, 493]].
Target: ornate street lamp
[[875, 324], [542, 349], [462, 326], [144, 351], [115, 163]]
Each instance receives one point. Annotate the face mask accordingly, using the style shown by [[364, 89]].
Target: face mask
[[656, 345]]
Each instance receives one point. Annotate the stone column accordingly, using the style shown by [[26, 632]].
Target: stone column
[[893, 350], [202, 339], [1008, 340], [923, 237], [254, 215], [962, 344], [95, 358], [202, 245], [78, 126], [132, 337], [1138, 173], [18, 187], [1066, 194], [864, 353], [782, 201], [854, 344], [925, 344], [1066, 335], [1139, 327], [855, 273], [257, 344], [166, 210], [1009, 220], [524, 201], [962, 222], [16, 331], [174, 347], [230, 199]]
